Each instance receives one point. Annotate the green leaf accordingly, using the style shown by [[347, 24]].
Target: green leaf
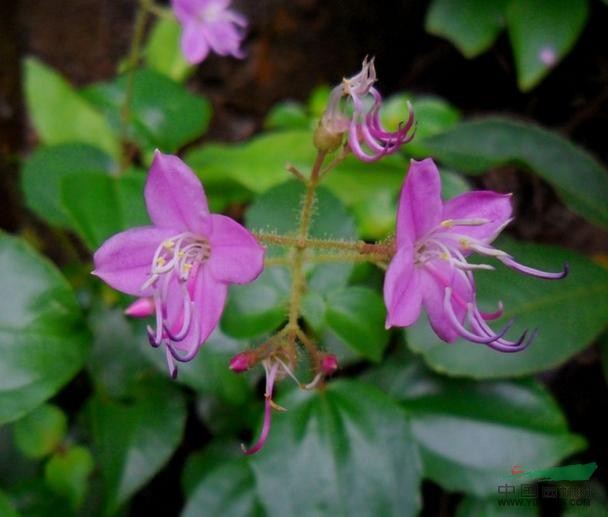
[[44, 170], [135, 438], [542, 33], [477, 146], [67, 473], [569, 314], [164, 114], [163, 52], [347, 450], [257, 308], [314, 309], [41, 431], [100, 206], [471, 433], [60, 114], [229, 490], [287, 115], [356, 315], [6, 507], [470, 25], [474, 507], [43, 339]]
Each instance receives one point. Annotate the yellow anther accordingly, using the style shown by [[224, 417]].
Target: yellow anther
[[448, 223], [187, 267], [168, 244], [160, 261], [445, 256], [180, 254], [464, 243]]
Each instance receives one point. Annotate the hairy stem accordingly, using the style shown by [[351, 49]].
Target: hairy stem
[[326, 244], [141, 18]]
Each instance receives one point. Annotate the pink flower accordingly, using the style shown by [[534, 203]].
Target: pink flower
[[430, 267], [184, 262], [209, 25], [367, 137]]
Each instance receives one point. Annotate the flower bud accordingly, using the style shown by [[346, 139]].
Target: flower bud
[[325, 139], [141, 308], [329, 364], [243, 361]]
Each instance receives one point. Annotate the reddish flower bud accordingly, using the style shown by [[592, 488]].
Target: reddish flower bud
[[141, 308], [243, 361], [329, 364]]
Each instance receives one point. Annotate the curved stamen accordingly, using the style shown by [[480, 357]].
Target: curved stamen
[[170, 364], [187, 317], [502, 345], [271, 373], [489, 316], [509, 262], [449, 310]]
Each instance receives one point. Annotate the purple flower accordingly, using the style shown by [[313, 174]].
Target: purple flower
[[430, 266], [367, 137], [209, 25], [184, 262]]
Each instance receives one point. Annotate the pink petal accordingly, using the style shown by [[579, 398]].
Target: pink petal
[[141, 308], [175, 197], [420, 205], [402, 294], [434, 280], [124, 260], [236, 256], [185, 10], [209, 300], [480, 204], [194, 45], [224, 38]]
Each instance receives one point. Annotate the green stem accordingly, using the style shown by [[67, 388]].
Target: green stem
[[132, 60], [350, 257], [328, 244]]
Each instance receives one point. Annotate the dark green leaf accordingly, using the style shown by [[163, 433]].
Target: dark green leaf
[[67, 473], [44, 169], [100, 206], [163, 52], [471, 25], [134, 439], [347, 450], [60, 114], [6, 507], [43, 339], [471, 433], [164, 114], [542, 32], [313, 310], [41, 431], [287, 115], [356, 315], [477, 146], [569, 315], [229, 490]]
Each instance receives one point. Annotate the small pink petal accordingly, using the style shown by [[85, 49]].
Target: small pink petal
[[194, 45], [402, 293], [175, 197], [236, 256], [124, 261], [141, 308], [209, 300], [420, 205]]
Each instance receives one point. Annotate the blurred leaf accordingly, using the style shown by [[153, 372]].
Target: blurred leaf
[[34, 499], [67, 473], [569, 315], [347, 450], [477, 146], [163, 52], [598, 500], [201, 463], [116, 363], [44, 170], [100, 206], [287, 115], [43, 339], [164, 114], [317, 101], [356, 315], [6, 507], [134, 439], [229, 490], [60, 114], [41, 431], [542, 33], [314, 309], [257, 308], [471, 433], [604, 353], [470, 25], [473, 507]]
